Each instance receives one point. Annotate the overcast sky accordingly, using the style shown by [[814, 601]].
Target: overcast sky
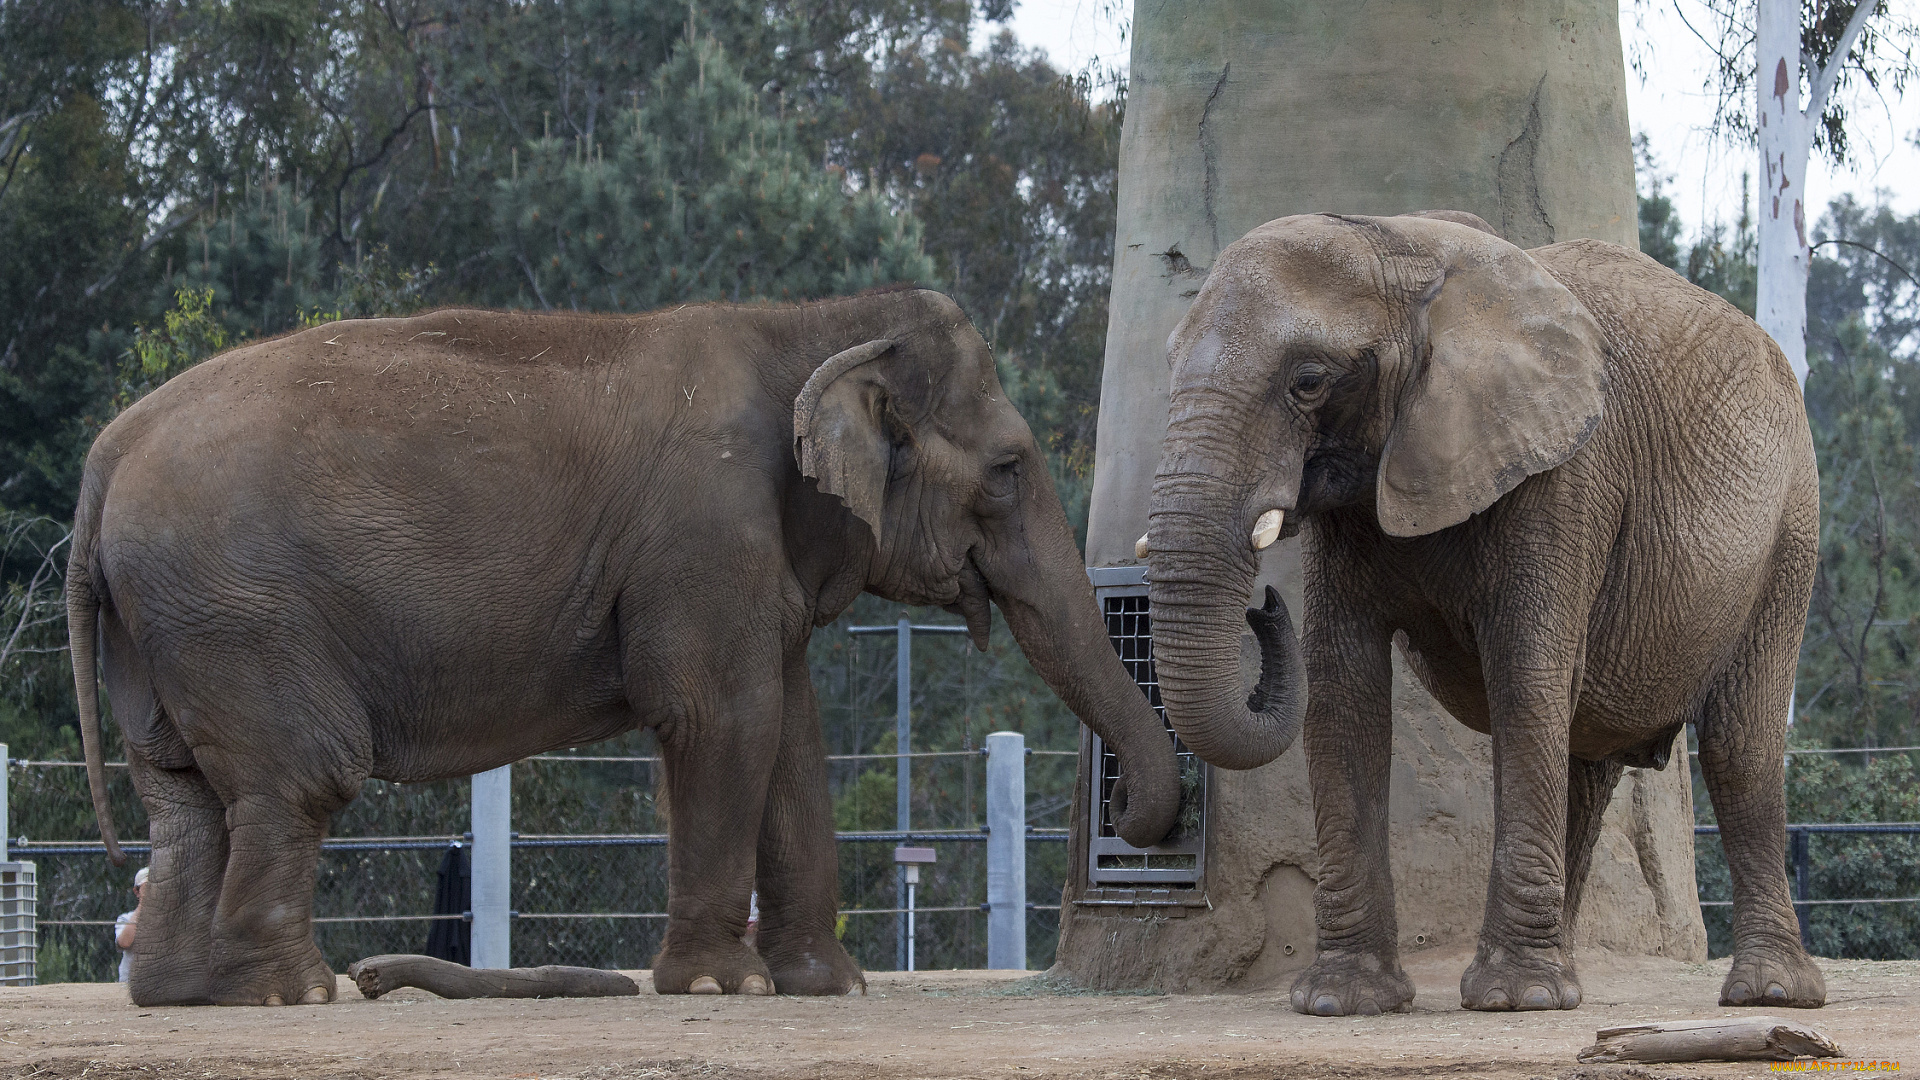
[[1673, 106]]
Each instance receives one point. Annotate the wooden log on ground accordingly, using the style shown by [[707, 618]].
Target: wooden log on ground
[[378, 975], [1745, 1038]]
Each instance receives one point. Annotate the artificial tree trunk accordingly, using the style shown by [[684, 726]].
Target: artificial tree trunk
[[1242, 111]]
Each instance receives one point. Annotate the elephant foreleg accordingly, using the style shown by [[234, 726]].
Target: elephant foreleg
[[1590, 787], [798, 863], [1523, 960], [1349, 743], [719, 757]]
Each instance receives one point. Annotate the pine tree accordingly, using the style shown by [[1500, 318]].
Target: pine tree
[[698, 194]]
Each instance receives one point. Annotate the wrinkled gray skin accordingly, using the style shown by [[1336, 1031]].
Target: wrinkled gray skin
[[1581, 495], [420, 548]]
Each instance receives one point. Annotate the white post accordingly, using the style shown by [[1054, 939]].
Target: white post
[[1007, 850], [492, 867], [4, 842]]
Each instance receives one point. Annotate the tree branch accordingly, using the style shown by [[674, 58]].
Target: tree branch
[[1829, 73], [1904, 272]]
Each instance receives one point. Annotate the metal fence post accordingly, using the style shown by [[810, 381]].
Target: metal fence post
[[1802, 885], [4, 822], [492, 867], [1007, 850], [902, 771]]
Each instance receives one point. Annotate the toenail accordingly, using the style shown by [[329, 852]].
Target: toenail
[[1300, 1001], [1495, 998], [757, 985], [1776, 992], [705, 984], [1537, 997], [1368, 1007], [1326, 1005], [273, 999], [1570, 997], [316, 995], [1738, 993]]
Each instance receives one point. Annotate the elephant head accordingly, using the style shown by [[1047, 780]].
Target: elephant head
[[1420, 365], [915, 434]]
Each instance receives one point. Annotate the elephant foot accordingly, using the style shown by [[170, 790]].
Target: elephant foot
[[724, 970], [1502, 980], [1350, 985], [809, 963], [308, 981], [1774, 976]]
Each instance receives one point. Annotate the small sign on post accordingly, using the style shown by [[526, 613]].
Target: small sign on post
[[910, 860]]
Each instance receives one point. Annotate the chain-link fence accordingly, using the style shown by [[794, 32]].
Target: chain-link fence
[[589, 863]]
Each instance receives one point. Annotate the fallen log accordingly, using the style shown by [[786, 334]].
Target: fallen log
[[378, 975], [1745, 1038]]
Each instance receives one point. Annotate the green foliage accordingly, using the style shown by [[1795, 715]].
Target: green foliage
[[1824, 788], [189, 334], [1715, 261], [697, 195], [36, 683], [869, 803], [1857, 682]]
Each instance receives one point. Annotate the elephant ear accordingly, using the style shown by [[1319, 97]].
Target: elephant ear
[[840, 432], [1510, 380]]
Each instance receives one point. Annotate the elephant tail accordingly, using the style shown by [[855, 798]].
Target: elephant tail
[[83, 625]]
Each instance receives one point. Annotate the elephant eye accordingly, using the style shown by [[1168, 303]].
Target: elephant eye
[[1308, 384], [1003, 476]]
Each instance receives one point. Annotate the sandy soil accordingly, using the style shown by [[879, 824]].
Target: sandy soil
[[931, 1024]]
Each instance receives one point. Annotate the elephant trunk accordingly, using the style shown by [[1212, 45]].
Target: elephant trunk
[[1049, 604], [1202, 567]]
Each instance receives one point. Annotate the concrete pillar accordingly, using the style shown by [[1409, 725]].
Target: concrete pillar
[[1242, 111], [1007, 850], [492, 868]]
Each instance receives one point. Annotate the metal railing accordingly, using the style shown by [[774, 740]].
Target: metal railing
[[1798, 847]]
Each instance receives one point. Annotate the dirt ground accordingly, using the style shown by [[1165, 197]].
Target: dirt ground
[[931, 1024]]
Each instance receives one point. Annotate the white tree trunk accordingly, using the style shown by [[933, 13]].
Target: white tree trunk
[[1785, 139]]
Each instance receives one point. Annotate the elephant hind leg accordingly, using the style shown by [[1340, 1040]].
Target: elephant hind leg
[[263, 947], [1743, 734], [173, 941], [1590, 787]]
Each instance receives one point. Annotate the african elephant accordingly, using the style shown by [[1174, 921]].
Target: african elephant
[[419, 548], [1577, 491]]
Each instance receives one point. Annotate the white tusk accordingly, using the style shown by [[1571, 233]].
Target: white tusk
[[1267, 529], [1141, 548]]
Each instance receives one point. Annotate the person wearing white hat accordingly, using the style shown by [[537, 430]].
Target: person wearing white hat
[[123, 926]]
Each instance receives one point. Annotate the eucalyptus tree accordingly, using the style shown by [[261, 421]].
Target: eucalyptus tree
[[1788, 76]]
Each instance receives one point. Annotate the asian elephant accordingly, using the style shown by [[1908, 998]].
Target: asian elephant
[[1577, 491], [423, 547]]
